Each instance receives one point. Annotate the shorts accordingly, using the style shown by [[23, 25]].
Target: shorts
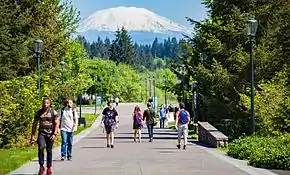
[[182, 130], [109, 128]]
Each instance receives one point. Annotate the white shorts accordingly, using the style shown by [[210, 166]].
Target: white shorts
[[182, 130]]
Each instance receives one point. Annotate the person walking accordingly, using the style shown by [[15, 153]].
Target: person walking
[[117, 101], [182, 121], [68, 124], [137, 122], [48, 122], [149, 116], [162, 115], [110, 122]]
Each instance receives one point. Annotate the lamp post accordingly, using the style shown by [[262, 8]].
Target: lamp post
[[95, 79], [183, 68], [252, 26], [38, 49], [100, 80], [154, 98], [194, 101], [165, 90], [63, 64]]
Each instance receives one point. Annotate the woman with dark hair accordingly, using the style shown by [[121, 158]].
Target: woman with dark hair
[[110, 122], [48, 122], [137, 122]]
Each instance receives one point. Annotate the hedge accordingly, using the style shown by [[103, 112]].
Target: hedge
[[263, 152]]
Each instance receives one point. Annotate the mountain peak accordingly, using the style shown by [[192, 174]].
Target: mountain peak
[[132, 19]]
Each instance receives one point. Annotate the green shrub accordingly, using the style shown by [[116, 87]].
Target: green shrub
[[263, 152]]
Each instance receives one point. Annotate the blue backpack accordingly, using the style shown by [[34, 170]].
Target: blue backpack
[[183, 116]]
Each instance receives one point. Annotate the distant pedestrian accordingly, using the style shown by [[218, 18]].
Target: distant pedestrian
[[68, 124], [182, 121], [162, 115], [117, 101], [48, 122], [137, 122], [110, 122], [150, 116]]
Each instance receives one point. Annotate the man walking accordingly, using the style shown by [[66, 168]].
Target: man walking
[[182, 121], [68, 124], [47, 132], [117, 101], [162, 114], [149, 116]]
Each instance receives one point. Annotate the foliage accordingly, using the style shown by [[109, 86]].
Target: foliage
[[272, 106], [263, 152], [17, 106], [217, 57], [155, 56]]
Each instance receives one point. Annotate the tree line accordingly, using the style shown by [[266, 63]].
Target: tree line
[[124, 50]]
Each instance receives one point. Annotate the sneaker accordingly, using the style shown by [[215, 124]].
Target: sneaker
[[150, 140], [178, 146], [49, 171], [69, 158], [62, 158], [112, 146], [108, 146], [41, 170], [184, 147]]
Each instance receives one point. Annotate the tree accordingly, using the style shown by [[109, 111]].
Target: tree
[[122, 49]]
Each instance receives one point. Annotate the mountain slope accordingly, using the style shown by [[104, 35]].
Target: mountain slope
[[140, 22]]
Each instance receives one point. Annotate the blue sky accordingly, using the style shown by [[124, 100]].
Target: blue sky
[[175, 10]]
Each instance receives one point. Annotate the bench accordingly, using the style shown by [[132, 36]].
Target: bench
[[211, 136]]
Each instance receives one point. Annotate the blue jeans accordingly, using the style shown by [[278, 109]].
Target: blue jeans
[[66, 143], [150, 131]]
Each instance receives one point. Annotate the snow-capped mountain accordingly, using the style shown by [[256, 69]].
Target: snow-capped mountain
[[143, 25]]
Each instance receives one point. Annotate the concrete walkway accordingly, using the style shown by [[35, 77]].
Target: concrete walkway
[[90, 156]]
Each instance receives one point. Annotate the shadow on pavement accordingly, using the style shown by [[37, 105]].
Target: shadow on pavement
[[165, 148], [120, 138], [199, 143], [54, 160], [93, 147], [156, 133]]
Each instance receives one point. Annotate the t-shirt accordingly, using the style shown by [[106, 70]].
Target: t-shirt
[[109, 116], [46, 120], [149, 115], [67, 119]]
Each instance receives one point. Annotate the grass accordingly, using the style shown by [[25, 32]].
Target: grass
[[11, 159]]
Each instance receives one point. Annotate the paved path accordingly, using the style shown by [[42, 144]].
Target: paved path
[[160, 157]]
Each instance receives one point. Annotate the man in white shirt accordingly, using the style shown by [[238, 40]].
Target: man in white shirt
[[68, 124], [117, 101]]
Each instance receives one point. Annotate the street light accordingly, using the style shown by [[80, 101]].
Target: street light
[[154, 98], [194, 101], [63, 64], [165, 90], [95, 79], [252, 26], [38, 49], [183, 68], [100, 80]]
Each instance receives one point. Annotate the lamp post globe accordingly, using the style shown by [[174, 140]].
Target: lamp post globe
[[38, 46], [252, 26]]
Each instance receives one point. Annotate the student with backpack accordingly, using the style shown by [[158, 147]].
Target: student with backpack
[[68, 124], [149, 115], [182, 121], [48, 122]]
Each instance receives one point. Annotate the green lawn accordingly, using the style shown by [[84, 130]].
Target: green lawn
[[11, 159]]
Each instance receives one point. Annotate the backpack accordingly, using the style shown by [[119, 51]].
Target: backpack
[[183, 116], [61, 114], [62, 109]]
